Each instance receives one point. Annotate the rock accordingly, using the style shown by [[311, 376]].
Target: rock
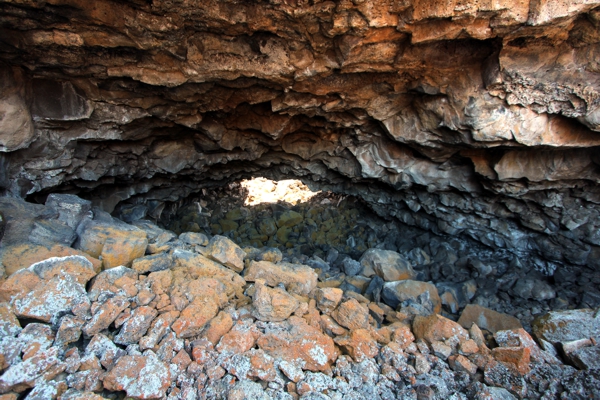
[[420, 296], [328, 299], [388, 265], [296, 278], [586, 358], [241, 338], [50, 299], [272, 305], [485, 318], [461, 363], [9, 324], [117, 243], [224, 251], [105, 315], [153, 263], [271, 254], [69, 330], [158, 329], [515, 357], [20, 256], [351, 267], [194, 238], [218, 327], [295, 342], [71, 209], [21, 376], [142, 377], [104, 349], [288, 219], [359, 345], [110, 282], [194, 317], [437, 328], [136, 326], [37, 338], [520, 338], [78, 267], [566, 326], [533, 289], [352, 315]]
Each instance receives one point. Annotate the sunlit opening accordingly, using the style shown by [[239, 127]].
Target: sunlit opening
[[261, 190]]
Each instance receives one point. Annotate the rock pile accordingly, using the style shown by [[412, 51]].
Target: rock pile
[[135, 310]]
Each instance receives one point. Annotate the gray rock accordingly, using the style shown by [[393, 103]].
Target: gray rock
[[421, 297], [351, 267], [389, 265], [194, 238], [71, 209], [529, 288], [566, 326]]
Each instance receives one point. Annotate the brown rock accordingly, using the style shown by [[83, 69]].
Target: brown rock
[[262, 365], [79, 267], [241, 338], [217, 327], [403, 336], [142, 377], [388, 265], [352, 315], [21, 282], [50, 298], [272, 305], [328, 299], [36, 337], [296, 278], [115, 245], [224, 251], [330, 327], [194, 317], [515, 357], [462, 364], [437, 328], [182, 360], [19, 256], [136, 326], [487, 319], [295, 342], [359, 344], [105, 315]]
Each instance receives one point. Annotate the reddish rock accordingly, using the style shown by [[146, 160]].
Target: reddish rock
[[217, 327], [272, 304], [437, 328], [37, 338], [403, 336], [110, 282], [515, 357], [328, 299], [182, 360], [23, 375], [226, 252], [69, 330], [485, 318], [330, 327], [136, 326], [468, 347], [296, 278], [461, 363], [79, 267], [9, 324], [352, 315], [21, 282], [296, 342], [105, 315], [241, 338], [359, 344], [194, 317], [159, 328], [262, 365], [49, 298], [142, 377]]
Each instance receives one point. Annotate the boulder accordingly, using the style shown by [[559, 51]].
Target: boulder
[[328, 299], [78, 267], [224, 251], [142, 377], [296, 278], [566, 326], [387, 264], [485, 318], [417, 297], [153, 263], [437, 328], [359, 344], [272, 305], [352, 315]]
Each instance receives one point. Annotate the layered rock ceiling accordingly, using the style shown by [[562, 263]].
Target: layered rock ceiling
[[470, 117]]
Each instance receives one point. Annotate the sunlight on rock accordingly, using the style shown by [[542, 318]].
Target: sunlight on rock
[[261, 190]]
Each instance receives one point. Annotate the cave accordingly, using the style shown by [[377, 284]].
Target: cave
[[465, 132]]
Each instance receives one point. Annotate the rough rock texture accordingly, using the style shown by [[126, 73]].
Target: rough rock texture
[[474, 118]]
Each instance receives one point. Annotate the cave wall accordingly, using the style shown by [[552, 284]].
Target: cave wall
[[477, 118]]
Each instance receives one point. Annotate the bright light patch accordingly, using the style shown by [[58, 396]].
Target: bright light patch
[[261, 190]]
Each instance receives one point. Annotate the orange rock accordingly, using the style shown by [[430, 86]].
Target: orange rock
[[462, 364], [116, 245], [78, 267], [217, 327], [328, 299], [435, 327], [193, 318], [517, 358], [468, 347], [17, 257], [105, 315], [159, 327], [241, 338], [262, 365], [182, 360], [272, 304], [295, 342], [403, 336], [226, 252], [352, 315], [360, 345], [142, 377], [485, 318], [296, 278]]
